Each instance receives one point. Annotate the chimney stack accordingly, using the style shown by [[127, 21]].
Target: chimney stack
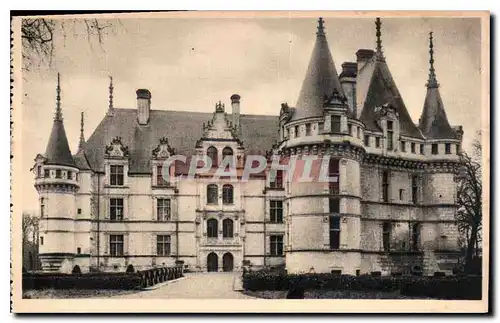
[[235, 107], [143, 106]]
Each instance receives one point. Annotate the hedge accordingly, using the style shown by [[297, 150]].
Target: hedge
[[451, 287]]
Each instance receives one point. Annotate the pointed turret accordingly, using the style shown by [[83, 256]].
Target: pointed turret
[[321, 80], [433, 122], [58, 152], [383, 91]]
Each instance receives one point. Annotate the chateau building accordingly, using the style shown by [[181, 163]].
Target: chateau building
[[390, 208]]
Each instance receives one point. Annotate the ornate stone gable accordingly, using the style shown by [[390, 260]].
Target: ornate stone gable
[[116, 149], [220, 127], [385, 112], [163, 150]]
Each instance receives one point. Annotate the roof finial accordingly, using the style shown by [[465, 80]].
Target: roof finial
[[378, 25], [82, 136], [321, 27], [432, 82], [58, 115], [111, 94]]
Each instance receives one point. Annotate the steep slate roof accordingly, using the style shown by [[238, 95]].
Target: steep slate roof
[[433, 122], [382, 90], [182, 129], [320, 80]]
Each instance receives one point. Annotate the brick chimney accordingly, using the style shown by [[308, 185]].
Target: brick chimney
[[235, 110], [143, 106]]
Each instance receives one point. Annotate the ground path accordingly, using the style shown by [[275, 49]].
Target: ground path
[[196, 285]]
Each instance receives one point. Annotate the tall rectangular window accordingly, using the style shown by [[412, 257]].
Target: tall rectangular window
[[116, 209], [385, 186], [160, 180], [334, 232], [367, 141], [116, 175], [308, 129], [39, 171], [377, 142], [358, 132], [116, 245], [414, 189], [335, 126], [386, 235], [276, 211], [58, 173], [334, 205], [403, 146], [458, 149], [422, 152], [334, 172], [321, 127], [42, 207], [390, 135], [276, 242], [415, 237], [163, 209], [297, 132], [447, 149], [41, 241], [412, 147], [278, 179], [434, 149], [162, 245], [46, 173], [349, 129]]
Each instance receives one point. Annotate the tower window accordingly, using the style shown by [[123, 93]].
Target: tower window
[[39, 171], [415, 237], [385, 186], [434, 149], [403, 146], [276, 242], [390, 135], [367, 141], [116, 245], [358, 132], [412, 147], [212, 229], [321, 127], [335, 124], [163, 209], [447, 148], [334, 232], [79, 211], [70, 175], [458, 149], [58, 173], [227, 194], [116, 209], [42, 207], [297, 135], [163, 245], [333, 170], [78, 250], [377, 142], [422, 149], [401, 194], [212, 194], [41, 240], [334, 206], [46, 173], [116, 174], [308, 129], [414, 189], [349, 129], [276, 211], [386, 236]]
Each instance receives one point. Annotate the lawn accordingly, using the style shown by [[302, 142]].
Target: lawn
[[331, 294], [74, 293]]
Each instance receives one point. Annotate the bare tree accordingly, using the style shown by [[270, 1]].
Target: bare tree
[[30, 232], [39, 36], [469, 201]]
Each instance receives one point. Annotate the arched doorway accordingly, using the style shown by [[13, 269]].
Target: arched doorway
[[212, 262], [227, 262]]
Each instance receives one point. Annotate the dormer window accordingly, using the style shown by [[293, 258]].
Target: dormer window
[[160, 179], [335, 124], [390, 135], [212, 154], [278, 180], [228, 152], [116, 175]]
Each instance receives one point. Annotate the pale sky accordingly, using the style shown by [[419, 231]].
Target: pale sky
[[189, 64]]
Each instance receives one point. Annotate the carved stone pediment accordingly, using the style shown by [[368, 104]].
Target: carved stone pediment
[[40, 159], [386, 111], [116, 149], [163, 150]]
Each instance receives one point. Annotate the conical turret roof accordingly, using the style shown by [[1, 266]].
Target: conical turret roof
[[433, 122], [321, 79], [58, 152], [383, 90]]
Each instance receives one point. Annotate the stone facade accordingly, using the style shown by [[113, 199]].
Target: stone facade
[[390, 207]]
